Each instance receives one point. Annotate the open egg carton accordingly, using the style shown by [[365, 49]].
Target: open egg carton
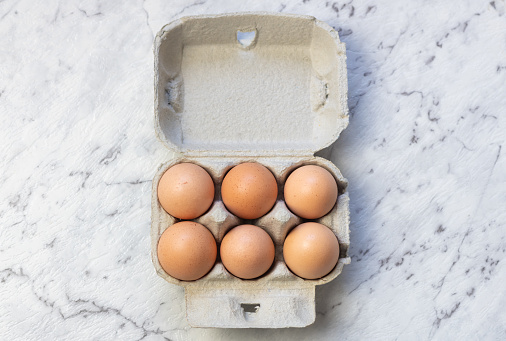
[[251, 87]]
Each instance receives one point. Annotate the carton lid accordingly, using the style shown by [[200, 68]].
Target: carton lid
[[249, 84]]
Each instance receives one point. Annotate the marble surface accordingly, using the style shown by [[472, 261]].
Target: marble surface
[[423, 153]]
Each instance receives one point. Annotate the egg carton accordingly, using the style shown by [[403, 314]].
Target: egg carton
[[250, 87]]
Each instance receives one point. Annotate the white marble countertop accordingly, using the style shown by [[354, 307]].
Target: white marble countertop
[[423, 153]]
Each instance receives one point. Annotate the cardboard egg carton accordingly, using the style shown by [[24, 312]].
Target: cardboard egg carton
[[250, 87]]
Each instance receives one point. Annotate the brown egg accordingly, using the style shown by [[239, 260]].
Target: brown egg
[[310, 192], [187, 250], [249, 190], [247, 251], [311, 250], [186, 191]]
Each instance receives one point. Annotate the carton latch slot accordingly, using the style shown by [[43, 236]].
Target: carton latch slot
[[250, 307], [246, 38]]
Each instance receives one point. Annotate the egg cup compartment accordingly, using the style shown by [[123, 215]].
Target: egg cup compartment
[[219, 102]]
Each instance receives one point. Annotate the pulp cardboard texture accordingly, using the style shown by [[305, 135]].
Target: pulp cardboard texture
[[250, 87]]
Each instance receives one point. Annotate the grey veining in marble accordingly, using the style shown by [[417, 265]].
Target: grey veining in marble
[[424, 154]]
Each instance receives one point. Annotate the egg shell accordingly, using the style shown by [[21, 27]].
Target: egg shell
[[310, 191], [247, 251], [187, 250], [311, 250], [186, 191], [249, 190]]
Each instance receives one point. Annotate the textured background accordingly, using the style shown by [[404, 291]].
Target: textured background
[[423, 153]]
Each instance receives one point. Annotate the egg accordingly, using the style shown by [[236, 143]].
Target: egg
[[310, 191], [187, 250], [249, 190], [311, 250], [247, 251], [186, 191]]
